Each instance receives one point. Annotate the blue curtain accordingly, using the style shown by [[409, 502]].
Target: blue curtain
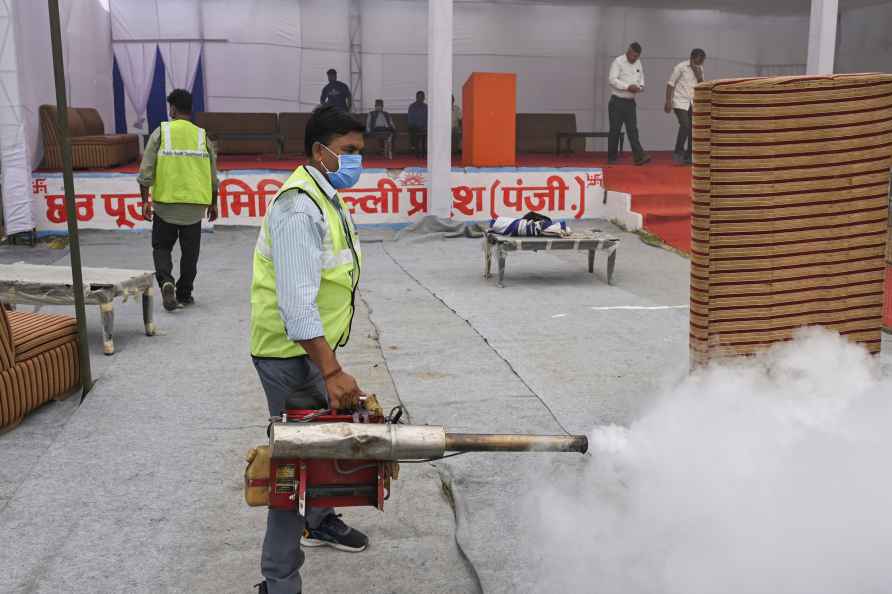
[[156, 109], [198, 87], [118, 89]]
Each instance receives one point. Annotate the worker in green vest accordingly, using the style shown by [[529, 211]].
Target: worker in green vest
[[307, 264], [180, 167]]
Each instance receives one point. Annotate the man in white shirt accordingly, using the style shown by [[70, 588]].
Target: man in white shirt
[[626, 80], [680, 99]]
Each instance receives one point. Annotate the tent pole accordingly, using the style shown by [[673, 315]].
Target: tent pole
[[439, 128], [822, 36], [77, 280]]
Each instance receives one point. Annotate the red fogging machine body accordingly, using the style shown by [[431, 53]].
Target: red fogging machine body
[[322, 458], [298, 483]]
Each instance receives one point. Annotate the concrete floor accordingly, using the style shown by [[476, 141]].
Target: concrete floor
[[139, 489]]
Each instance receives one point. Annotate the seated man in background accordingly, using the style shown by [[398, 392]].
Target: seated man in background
[[456, 127], [379, 124], [418, 125]]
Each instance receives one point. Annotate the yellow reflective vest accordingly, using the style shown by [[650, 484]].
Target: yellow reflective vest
[[183, 167], [341, 263]]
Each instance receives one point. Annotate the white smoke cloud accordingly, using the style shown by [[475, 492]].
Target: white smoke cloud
[[768, 476]]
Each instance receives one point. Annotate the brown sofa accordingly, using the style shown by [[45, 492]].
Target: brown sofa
[[241, 133], [38, 362], [91, 147], [292, 127], [536, 131]]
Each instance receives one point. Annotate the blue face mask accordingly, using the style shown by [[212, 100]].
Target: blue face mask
[[349, 170]]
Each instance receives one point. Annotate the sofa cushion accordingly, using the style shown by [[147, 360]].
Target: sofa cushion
[[292, 127], [92, 121], [76, 126], [260, 131], [35, 333], [106, 139]]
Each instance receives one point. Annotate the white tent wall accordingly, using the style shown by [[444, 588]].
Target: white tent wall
[[87, 56], [271, 55], [16, 169], [394, 52], [561, 53], [736, 45], [863, 39], [28, 78]]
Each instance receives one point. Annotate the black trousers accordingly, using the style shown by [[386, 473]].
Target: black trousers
[[684, 139], [623, 112], [418, 140], [164, 236]]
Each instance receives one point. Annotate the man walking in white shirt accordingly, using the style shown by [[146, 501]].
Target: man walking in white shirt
[[680, 99], [626, 80]]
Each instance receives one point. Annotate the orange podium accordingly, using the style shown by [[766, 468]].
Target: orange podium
[[489, 135]]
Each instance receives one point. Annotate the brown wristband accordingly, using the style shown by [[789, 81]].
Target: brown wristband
[[331, 374]]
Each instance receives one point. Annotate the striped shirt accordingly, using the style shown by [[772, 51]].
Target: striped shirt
[[296, 230]]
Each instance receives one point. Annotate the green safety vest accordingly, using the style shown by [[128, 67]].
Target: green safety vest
[[183, 168], [341, 262]]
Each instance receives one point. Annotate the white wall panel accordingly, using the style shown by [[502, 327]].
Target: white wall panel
[[783, 40], [325, 24], [396, 27], [155, 19], [865, 39], [276, 22], [233, 72], [539, 31]]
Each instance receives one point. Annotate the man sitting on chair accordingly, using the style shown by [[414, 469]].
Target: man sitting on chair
[[379, 124]]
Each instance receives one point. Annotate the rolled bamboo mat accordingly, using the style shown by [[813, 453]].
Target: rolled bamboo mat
[[790, 210]]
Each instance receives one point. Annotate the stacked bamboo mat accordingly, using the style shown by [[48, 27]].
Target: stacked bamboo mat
[[790, 210]]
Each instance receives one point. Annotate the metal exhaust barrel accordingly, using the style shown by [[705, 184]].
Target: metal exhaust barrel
[[484, 442], [376, 441]]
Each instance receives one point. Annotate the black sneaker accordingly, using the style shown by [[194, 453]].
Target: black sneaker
[[333, 532], [643, 160], [169, 296], [262, 589], [190, 300]]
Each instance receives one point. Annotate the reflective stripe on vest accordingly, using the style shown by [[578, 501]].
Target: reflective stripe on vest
[[168, 150], [183, 169]]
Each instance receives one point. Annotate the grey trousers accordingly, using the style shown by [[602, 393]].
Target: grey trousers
[[288, 383]]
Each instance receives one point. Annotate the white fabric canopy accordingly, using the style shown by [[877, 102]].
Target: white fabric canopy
[[136, 63], [27, 80], [271, 55], [181, 62]]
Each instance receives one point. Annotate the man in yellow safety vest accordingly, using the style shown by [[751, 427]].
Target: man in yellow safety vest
[[307, 263], [179, 165]]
